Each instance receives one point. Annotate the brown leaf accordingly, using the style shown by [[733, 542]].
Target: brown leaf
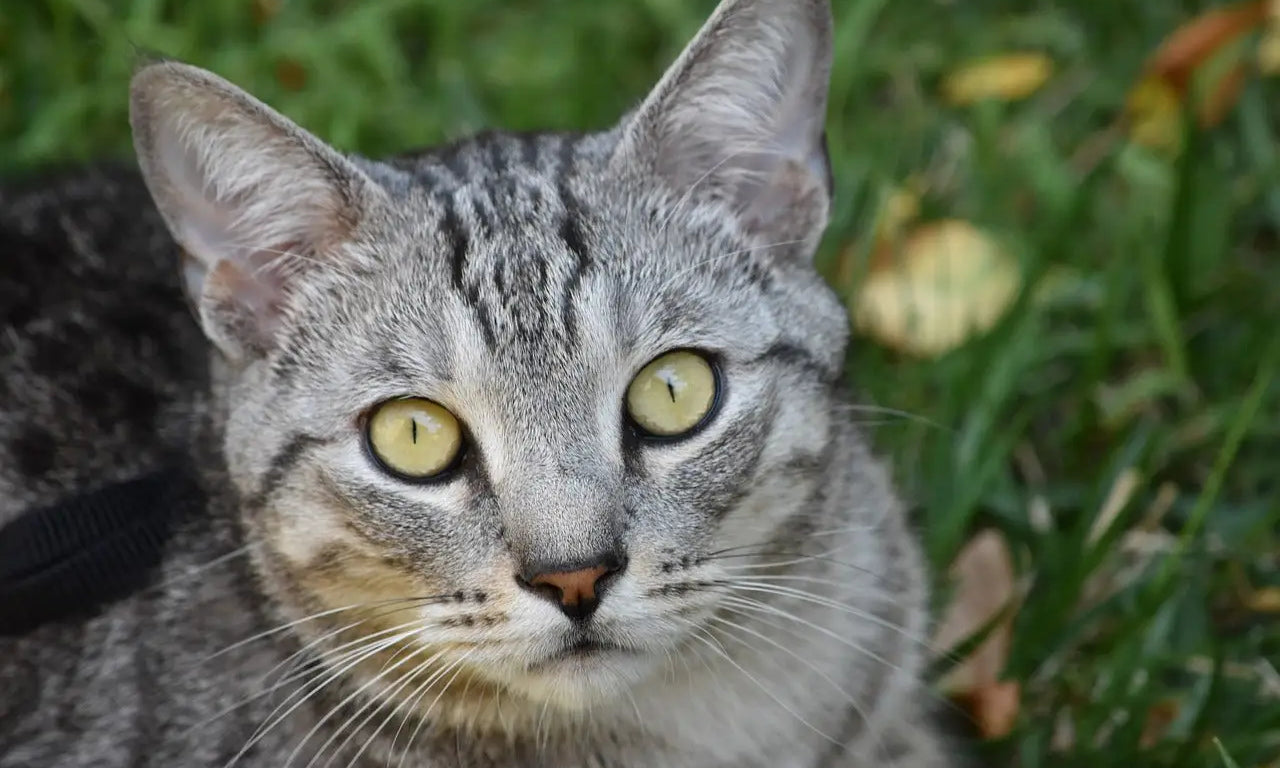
[[1192, 44], [984, 587], [265, 10], [1204, 62], [994, 708], [291, 74], [1159, 717]]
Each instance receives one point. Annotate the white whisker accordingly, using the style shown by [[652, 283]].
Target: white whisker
[[760, 584], [365, 653], [765, 690], [454, 665], [382, 700], [344, 702]]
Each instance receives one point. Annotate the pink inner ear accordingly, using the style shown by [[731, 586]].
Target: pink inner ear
[[255, 287]]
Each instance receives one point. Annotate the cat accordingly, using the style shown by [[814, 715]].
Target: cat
[[530, 450]]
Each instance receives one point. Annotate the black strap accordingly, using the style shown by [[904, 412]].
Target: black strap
[[71, 559]]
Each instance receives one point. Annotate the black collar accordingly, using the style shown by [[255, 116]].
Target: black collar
[[72, 559]]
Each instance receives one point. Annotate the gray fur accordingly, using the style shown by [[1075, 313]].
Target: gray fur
[[519, 280]]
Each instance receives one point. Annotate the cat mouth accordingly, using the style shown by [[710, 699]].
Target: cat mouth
[[587, 647], [580, 648]]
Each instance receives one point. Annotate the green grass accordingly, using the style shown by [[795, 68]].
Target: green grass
[[1142, 354]]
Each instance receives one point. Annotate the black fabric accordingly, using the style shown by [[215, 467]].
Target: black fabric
[[70, 560]]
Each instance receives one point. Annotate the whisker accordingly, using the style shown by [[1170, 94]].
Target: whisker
[[408, 704], [765, 690], [797, 558], [298, 656], [361, 655], [382, 700], [752, 608], [422, 720], [538, 731], [862, 714], [315, 662], [757, 585], [713, 554], [319, 615], [335, 708], [196, 570], [813, 667], [908, 415], [747, 604], [674, 279]]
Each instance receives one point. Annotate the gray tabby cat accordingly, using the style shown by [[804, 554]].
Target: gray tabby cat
[[531, 450]]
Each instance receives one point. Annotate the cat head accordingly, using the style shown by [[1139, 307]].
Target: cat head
[[492, 409]]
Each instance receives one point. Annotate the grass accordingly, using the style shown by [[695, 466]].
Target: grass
[[1140, 365]]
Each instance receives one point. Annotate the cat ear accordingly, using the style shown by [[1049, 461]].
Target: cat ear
[[740, 116], [251, 198]]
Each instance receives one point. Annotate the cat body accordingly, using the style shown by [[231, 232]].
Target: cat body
[[755, 596]]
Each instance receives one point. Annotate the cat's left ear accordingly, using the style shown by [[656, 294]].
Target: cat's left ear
[[254, 201], [740, 117]]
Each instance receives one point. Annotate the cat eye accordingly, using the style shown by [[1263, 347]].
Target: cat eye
[[413, 438], [674, 394]]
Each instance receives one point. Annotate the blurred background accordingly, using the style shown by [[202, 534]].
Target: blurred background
[[1056, 225]]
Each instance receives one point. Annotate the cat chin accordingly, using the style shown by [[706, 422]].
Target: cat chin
[[582, 681]]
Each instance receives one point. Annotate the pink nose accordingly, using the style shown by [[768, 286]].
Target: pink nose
[[577, 591], [574, 587]]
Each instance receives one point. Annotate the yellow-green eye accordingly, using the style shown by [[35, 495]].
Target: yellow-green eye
[[414, 438], [672, 394]]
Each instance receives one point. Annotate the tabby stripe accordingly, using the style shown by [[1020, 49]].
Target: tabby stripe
[[529, 151], [281, 465], [459, 242], [571, 234], [457, 239], [790, 354]]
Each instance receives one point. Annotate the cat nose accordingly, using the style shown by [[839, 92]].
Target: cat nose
[[576, 588]]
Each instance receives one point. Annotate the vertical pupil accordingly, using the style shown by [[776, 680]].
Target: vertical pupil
[[413, 430], [671, 378]]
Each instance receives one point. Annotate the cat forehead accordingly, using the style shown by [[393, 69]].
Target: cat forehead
[[533, 236]]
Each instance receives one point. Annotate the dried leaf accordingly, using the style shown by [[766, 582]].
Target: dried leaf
[[1265, 600], [291, 74], [1159, 717], [1268, 54], [265, 10], [1205, 63], [946, 283], [899, 209], [1195, 42], [1154, 111], [1007, 77], [994, 708], [984, 588]]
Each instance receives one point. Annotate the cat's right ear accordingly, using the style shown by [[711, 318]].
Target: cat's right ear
[[740, 116], [252, 199]]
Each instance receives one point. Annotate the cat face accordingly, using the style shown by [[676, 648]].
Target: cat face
[[496, 412]]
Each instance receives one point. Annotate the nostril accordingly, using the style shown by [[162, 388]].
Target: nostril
[[543, 588], [615, 568]]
